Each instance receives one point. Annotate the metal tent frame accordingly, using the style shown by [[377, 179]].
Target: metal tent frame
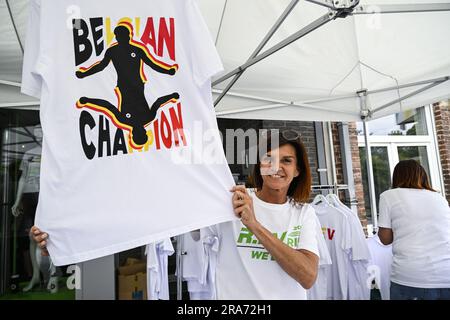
[[337, 9]]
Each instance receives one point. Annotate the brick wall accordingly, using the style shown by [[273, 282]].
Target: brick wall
[[356, 164], [442, 120]]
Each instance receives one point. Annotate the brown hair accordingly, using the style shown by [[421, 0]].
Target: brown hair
[[410, 174], [300, 187]]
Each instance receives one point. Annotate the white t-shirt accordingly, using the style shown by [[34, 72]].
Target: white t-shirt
[[125, 162], [30, 167], [420, 222], [319, 290], [337, 232], [245, 270], [381, 257], [199, 264], [359, 257], [157, 272]]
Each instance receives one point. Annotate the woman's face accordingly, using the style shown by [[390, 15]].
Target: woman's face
[[279, 167]]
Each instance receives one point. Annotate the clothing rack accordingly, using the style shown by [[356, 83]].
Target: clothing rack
[[334, 187]]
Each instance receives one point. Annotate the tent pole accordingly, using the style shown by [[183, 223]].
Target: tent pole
[[278, 105], [14, 25], [347, 165], [332, 158], [306, 104], [266, 39], [371, 184], [400, 8], [299, 34], [10, 83], [412, 84], [408, 95], [179, 268], [20, 105]]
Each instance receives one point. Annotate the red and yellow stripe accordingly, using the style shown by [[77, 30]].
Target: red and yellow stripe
[[113, 118], [106, 112], [170, 101], [83, 69], [119, 98], [142, 73]]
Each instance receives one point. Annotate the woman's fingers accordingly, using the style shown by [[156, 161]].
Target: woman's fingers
[[35, 230], [240, 188], [240, 195], [237, 203], [40, 238], [238, 211]]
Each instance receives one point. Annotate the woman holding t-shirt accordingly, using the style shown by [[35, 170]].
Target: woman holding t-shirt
[[272, 251], [416, 220]]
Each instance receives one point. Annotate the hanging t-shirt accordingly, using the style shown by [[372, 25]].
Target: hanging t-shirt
[[246, 270], [319, 290], [359, 256], [157, 272], [336, 229], [199, 264], [380, 265], [30, 167], [131, 152]]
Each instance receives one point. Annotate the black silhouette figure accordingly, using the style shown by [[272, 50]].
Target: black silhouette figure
[[133, 112]]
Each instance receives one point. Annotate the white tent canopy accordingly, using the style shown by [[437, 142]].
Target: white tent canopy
[[310, 60], [317, 77], [313, 78]]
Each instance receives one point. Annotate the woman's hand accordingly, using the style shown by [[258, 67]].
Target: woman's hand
[[41, 239], [243, 206]]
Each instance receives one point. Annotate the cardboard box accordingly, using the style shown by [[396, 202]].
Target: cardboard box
[[133, 287], [132, 266], [133, 280]]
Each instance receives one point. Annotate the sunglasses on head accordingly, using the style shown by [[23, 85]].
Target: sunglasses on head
[[288, 134]]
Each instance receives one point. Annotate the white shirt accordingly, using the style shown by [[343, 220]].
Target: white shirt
[[420, 222], [359, 256], [199, 264], [336, 229], [245, 270], [381, 257], [103, 189], [157, 272], [319, 290]]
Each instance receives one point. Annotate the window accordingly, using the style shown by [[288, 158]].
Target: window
[[381, 174], [408, 123], [24, 273], [402, 136]]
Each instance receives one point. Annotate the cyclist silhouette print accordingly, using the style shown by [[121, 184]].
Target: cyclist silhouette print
[[132, 112]]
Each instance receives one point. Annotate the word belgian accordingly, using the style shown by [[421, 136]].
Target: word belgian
[[90, 35]]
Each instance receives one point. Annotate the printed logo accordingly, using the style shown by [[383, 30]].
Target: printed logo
[[328, 233], [246, 239], [131, 112]]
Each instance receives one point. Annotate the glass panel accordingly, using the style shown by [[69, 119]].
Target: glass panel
[[24, 273], [408, 123], [418, 153], [381, 175]]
